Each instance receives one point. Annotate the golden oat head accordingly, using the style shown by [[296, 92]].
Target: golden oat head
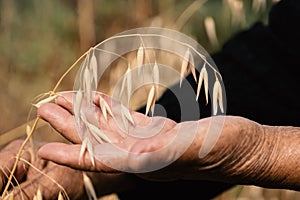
[[146, 56]]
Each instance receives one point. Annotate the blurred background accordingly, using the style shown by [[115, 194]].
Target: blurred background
[[40, 39]]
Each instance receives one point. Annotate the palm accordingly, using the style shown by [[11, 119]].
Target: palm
[[128, 137]]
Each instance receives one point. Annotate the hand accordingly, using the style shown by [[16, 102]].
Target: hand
[[245, 152], [34, 173]]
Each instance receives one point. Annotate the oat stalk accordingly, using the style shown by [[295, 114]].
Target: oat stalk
[[162, 36], [18, 156], [52, 93], [69, 70], [46, 175]]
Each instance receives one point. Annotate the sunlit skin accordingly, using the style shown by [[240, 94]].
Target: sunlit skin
[[245, 153], [29, 179]]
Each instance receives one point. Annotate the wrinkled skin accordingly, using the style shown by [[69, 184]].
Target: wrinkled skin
[[29, 179], [245, 153]]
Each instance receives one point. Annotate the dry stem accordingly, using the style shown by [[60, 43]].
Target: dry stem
[[18, 156]]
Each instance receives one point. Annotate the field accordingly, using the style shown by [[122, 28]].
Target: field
[[39, 40]]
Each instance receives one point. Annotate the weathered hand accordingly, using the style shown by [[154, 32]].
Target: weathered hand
[[28, 179], [61, 117], [51, 178], [245, 152]]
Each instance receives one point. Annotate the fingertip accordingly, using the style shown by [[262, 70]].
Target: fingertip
[[66, 101], [45, 152], [57, 152], [45, 110]]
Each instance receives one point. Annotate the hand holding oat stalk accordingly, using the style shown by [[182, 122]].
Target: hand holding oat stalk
[[139, 51], [246, 152], [109, 137], [36, 177]]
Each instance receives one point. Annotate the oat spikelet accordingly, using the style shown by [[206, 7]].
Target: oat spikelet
[[90, 150], [203, 77], [60, 196], [129, 82], [217, 97], [150, 101], [221, 99], [123, 85], [124, 81], [86, 145], [104, 108], [140, 59], [94, 130], [125, 112], [39, 195], [94, 68], [77, 104], [83, 148], [191, 67], [155, 73], [184, 65], [97, 132], [156, 77], [44, 101], [87, 83], [124, 119], [88, 185]]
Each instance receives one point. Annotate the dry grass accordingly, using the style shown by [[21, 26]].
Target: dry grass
[[10, 95]]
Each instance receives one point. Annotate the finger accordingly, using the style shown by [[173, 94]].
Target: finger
[[68, 155], [61, 120], [111, 159], [55, 179], [65, 100]]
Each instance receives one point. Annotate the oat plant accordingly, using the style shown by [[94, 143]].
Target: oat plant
[[142, 69], [139, 52]]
